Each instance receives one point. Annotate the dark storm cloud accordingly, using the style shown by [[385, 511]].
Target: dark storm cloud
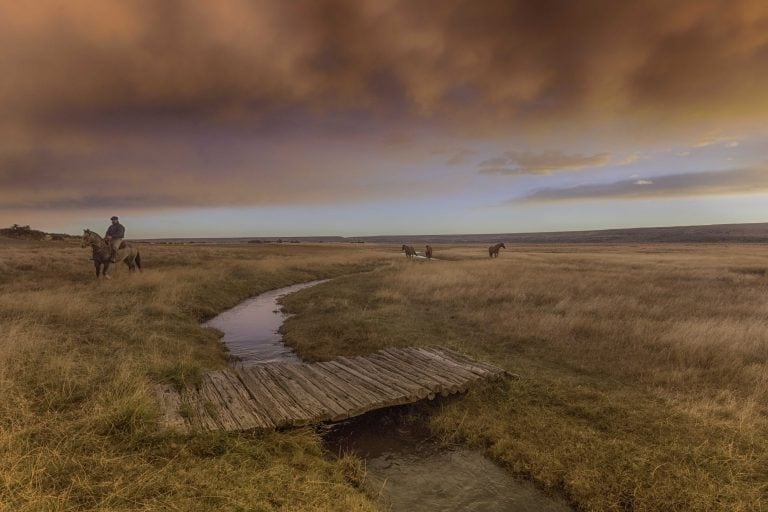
[[89, 84], [742, 181], [525, 162], [238, 58]]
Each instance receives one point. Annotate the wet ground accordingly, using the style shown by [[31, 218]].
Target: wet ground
[[407, 471]]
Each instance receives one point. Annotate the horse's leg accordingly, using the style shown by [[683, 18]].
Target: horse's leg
[[105, 271], [96, 264]]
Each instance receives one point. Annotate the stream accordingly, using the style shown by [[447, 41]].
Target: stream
[[407, 471]]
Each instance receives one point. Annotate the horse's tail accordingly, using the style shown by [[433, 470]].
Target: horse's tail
[[138, 260]]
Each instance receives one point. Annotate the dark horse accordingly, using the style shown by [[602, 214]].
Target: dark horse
[[101, 253], [428, 252], [409, 251], [493, 251]]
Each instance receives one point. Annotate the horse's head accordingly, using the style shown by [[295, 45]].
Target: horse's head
[[404, 247], [503, 246], [89, 238]]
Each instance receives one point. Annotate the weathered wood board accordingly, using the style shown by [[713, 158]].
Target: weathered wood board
[[277, 395]]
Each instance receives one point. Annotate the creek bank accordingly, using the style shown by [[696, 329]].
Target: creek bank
[[406, 470]]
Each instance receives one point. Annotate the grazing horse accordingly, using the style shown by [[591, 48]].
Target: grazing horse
[[493, 251], [101, 253], [428, 252], [409, 251]]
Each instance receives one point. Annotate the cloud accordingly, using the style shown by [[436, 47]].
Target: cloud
[[512, 61], [713, 138], [524, 162], [740, 181], [215, 103], [629, 159]]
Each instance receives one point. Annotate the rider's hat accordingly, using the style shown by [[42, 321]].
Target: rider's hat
[[114, 217]]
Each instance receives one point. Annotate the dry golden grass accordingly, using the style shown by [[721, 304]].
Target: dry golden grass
[[645, 368], [645, 371], [79, 359]]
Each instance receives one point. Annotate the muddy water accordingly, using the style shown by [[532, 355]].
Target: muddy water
[[250, 328], [406, 470]]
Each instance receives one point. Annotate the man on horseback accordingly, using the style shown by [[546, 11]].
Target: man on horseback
[[114, 237]]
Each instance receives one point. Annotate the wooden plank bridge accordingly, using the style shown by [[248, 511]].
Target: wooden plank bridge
[[273, 395]]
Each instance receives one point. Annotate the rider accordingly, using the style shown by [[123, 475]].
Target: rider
[[114, 237]]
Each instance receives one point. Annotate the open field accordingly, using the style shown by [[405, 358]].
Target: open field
[[78, 360], [645, 375], [645, 371]]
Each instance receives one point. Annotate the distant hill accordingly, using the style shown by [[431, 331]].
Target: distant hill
[[715, 233]]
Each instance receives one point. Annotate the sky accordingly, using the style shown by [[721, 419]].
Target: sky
[[366, 117]]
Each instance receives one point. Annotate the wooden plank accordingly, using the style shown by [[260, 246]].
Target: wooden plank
[[339, 388], [278, 394], [368, 393], [199, 401], [219, 407], [444, 356], [381, 396], [463, 358], [243, 406], [350, 387], [228, 400], [170, 405], [296, 414], [271, 406], [446, 367], [435, 382], [392, 380], [406, 375], [314, 410], [451, 383], [384, 390], [189, 399], [338, 412], [376, 399], [416, 388], [249, 405]]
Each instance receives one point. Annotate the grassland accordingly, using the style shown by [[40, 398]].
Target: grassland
[[645, 368], [78, 362], [644, 371]]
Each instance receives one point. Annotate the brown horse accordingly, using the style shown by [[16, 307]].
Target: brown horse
[[493, 251], [409, 251], [428, 252], [102, 254]]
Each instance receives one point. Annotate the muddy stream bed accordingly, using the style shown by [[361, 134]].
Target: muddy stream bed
[[407, 471]]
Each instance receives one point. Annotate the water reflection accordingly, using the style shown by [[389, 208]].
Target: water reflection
[[251, 328]]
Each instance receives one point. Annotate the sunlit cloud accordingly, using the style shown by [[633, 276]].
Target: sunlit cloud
[[628, 159], [741, 181], [515, 163], [148, 105]]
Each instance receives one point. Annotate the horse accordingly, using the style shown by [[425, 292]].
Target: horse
[[493, 251], [409, 251], [428, 252], [102, 254]]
